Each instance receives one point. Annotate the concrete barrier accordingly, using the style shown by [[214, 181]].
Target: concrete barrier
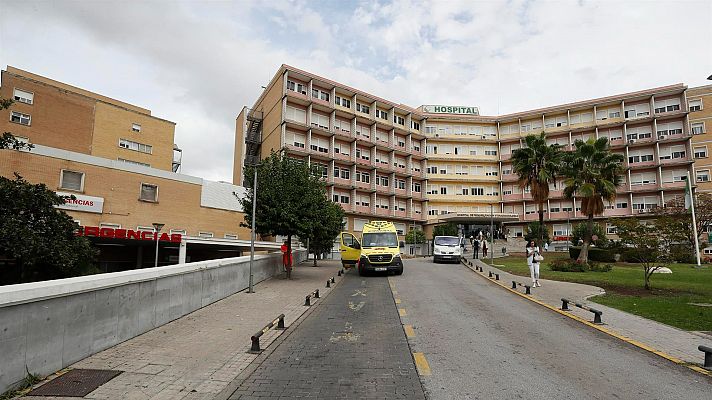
[[46, 326]]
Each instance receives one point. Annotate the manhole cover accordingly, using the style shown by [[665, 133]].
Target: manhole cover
[[75, 383]]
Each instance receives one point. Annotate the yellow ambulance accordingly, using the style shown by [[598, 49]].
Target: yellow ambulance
[[377, 251]]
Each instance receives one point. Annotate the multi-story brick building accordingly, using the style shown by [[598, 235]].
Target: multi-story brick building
[[117, 161], [427, 165], [700, 102]]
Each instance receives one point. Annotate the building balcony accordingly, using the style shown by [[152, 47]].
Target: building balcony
[[342, 182], [418, 196], [648, 187], [609, 122], [673, 138], [617, 142], [532, 217], [292, 149], [512, 197], [401, 214], [399, 170], [384, 212], [640, 142], [343, 133], [363, 185], [401, 192], [673, 185], [644, 164], [561, 215], [384, 190], [303, 97], [361, 161], [342, 157], [510, 178], [676, 161], [662, 116], [617, 212], [345, 207], [505, 157], [362, 209]]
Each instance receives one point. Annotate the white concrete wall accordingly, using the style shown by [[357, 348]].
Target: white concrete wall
[[46, 326]]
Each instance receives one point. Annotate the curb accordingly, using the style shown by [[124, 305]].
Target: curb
[[602, 329]]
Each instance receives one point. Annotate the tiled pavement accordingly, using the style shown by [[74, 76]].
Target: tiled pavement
[[667, 339], [352, 346], [197, 356]]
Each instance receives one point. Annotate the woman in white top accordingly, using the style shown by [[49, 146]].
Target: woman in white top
[[532, 253]]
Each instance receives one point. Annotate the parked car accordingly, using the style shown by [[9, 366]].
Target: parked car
[[446, 248]]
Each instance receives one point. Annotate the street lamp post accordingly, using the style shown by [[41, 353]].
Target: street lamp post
[[252, 241], [157, 228]]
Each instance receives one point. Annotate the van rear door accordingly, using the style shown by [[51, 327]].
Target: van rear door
[[350, 249]]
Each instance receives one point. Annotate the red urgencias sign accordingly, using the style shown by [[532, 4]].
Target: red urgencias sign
[[118, 233]]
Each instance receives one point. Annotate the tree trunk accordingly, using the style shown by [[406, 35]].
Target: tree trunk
[[647, 279], [314, 257], [583, 256], [541, 226]]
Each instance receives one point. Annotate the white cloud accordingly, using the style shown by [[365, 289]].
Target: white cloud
[[199, 63]]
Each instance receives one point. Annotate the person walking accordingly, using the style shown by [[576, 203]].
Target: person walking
[[546, 246], [484, 249], [476, 247], [287, 259], [533, 260]]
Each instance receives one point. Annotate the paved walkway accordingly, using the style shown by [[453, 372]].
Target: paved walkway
[[197, 356], [667, 339]]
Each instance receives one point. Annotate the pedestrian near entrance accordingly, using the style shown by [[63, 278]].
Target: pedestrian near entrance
[[476, 246], [286, 259], [534, 258], [546, 246], [484, 249]]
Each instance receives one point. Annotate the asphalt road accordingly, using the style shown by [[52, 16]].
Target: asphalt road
[[483, 342], [352, 346]]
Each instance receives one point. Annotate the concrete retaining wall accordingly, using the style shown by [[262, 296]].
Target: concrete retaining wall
[[46, 326]]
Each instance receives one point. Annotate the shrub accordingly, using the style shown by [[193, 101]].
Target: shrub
[[567, 266], [599, 267], [594, 254]]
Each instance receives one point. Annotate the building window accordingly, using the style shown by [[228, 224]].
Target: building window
[[698, 128], [136, 127], [703, 175], [230, 236], [320, 94], [22, 96], [695, 105], [297, 87], [205, 235], [123, 160], [148, 192], [340, 101], [178, 231], [109, 225], [135, 146], [382, 114], [701, 152], [20, 118], [71, 180], [145, 229], [363, 108]]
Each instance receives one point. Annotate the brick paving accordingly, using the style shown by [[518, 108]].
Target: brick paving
[[670, 340], [352, 346], [198, 355]]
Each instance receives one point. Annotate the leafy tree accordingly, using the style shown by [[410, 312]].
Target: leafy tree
[[681, 218], [288, 194], [449, 229], [536, 231], [647, 244], [579, 231], [592, 174], [7, 140], [537, 165], [327, 223], [415, 236], [38, 236]]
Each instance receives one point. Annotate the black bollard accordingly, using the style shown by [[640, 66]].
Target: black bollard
[[565, 305], [316, 294], [333, 280], [339, 273], [490, 274], [528, 288], [307, 302], [708, 356], [328, 283], [255, 344], [280, 323], [514, 285], [496, 277]]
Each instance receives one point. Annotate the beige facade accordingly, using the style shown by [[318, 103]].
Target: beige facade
[[700, 102], [461, 162], [54, 114]]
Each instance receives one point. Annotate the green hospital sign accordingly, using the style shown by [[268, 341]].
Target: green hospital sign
[[437, 109]]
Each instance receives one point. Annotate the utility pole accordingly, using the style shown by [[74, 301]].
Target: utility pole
[[157, 228], [491, 234]]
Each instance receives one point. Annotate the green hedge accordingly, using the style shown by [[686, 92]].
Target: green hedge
[[594, 254]]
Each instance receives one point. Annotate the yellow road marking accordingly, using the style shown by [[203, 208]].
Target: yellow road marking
[[394, 292], [604, 330], [421, 364], [409, 332], [398, 301], [401, 312]]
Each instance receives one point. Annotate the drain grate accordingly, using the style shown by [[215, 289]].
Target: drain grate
[[75, 383]]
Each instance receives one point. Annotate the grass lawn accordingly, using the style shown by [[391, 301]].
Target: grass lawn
[[668, 302]]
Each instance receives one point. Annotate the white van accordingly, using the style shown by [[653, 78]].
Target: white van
[[446, 248]]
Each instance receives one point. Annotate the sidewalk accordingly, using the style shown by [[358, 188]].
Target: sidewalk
[[664, 338], [198, 355]]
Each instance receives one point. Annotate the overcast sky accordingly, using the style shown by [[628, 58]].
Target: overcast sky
[[199, 63]]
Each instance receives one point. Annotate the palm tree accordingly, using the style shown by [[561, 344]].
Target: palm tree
[[537, 165], [592, 174]]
